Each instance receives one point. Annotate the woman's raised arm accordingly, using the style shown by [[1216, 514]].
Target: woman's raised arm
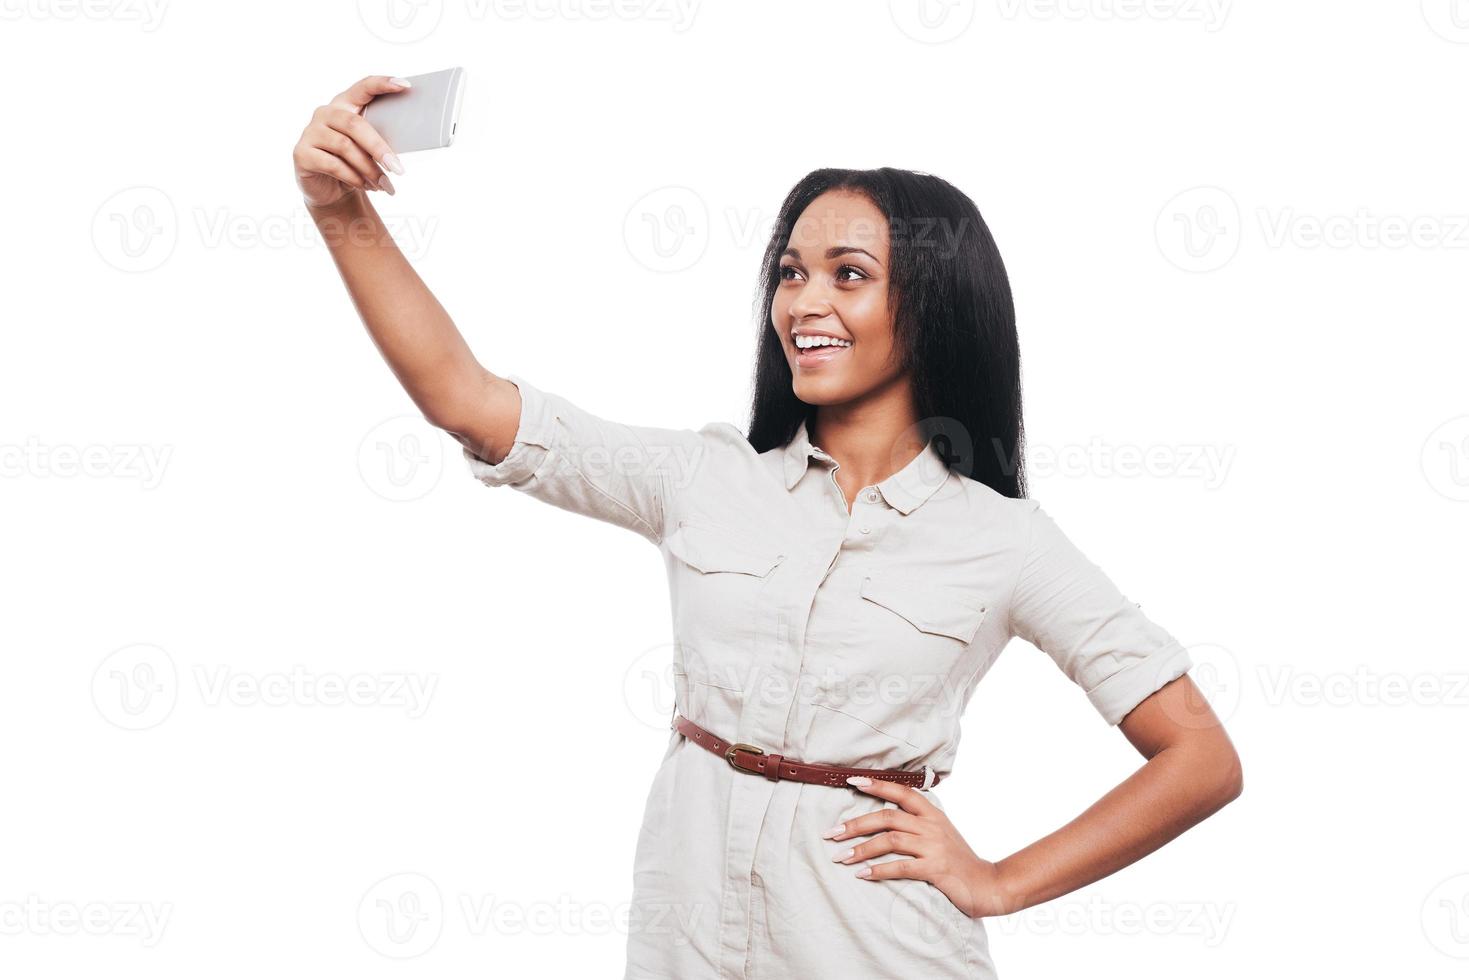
[[513, 433], [338, 159]]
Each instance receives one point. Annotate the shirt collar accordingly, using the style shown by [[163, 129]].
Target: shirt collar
[[904, 490]]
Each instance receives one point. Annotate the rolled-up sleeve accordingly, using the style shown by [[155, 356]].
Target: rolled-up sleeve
[[1065, 605], [577, 461]]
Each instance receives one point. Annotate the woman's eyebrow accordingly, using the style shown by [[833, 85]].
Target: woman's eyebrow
[[834, 252]]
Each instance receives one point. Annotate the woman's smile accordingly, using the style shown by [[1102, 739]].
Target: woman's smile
[[813, 348]]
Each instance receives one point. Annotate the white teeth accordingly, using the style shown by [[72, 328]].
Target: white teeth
[[804, 343]]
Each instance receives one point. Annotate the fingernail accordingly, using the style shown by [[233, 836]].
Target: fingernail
[[386, 184], [859, 781], [390, 160], [835, 830], [844, 854], [401, 81], [864, 872], [371, 186]]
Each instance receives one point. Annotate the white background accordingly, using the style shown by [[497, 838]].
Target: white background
[[1237, 239]]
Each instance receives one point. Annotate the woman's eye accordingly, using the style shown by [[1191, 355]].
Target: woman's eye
[[843, 269]]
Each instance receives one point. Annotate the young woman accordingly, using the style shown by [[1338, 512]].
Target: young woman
[[842, 577]]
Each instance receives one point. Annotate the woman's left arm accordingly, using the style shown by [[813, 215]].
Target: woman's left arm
[[1135, 674], [1192, 771]]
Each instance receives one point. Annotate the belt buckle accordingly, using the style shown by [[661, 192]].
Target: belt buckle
[[729, 755]]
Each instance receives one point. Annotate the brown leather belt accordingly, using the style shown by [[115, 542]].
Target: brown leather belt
[[775, 767]]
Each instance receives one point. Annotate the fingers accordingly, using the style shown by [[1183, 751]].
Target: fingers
[[898, 829], [334, 141], [892, 842], [887, 818], [323, 133], [364, 135], [313, 159], [901, 868], [361, 92], [906, 797], [340, 143]]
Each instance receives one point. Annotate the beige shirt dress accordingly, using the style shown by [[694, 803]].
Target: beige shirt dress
[[851, 639]]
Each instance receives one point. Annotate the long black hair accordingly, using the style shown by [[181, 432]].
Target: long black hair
[[953, 323]]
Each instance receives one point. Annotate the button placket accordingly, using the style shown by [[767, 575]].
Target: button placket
[[762, 723], [866, 519]]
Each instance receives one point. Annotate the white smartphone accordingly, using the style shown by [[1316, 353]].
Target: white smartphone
[[422, 117]]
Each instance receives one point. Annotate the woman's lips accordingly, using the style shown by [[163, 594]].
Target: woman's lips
[[817, 356]]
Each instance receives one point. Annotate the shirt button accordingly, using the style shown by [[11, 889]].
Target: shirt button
[[864, 530], [872, 495]]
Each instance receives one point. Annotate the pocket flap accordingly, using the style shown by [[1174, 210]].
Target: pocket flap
[[945, 609], [711, 549]]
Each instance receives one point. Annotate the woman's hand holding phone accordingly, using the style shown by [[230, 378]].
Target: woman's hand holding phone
[[338, 156], [339, 152]]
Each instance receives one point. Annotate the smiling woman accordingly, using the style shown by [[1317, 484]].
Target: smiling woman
[[821, 334], [842, 576]]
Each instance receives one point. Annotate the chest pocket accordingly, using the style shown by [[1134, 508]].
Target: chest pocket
[[713, 549], [718, 584], [923, 631], [944, 610], [889, 686]]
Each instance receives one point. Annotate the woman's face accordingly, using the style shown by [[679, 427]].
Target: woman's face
[[834, 288]]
